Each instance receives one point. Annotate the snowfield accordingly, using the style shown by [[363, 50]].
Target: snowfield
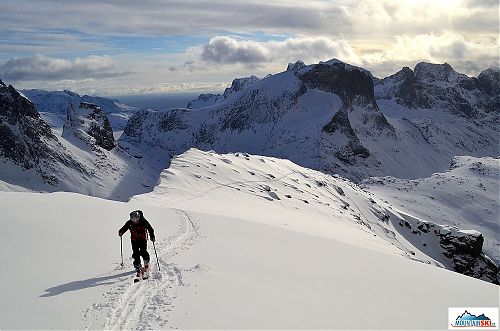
[[465, 196], [244, 242]]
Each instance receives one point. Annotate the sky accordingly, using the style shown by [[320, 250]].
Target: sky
[[156, 46]]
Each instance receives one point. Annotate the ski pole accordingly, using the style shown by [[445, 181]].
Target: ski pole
[[121, 249], [157, 261]]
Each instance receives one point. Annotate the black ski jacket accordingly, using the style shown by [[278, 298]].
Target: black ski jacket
[[138, 230]]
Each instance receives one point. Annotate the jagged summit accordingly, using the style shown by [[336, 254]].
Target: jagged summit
[[338, 118], [295, 66], [240, 83], [431, 72], [439, 87], [89, 123]]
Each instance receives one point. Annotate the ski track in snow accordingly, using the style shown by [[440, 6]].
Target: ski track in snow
[[144, 305]]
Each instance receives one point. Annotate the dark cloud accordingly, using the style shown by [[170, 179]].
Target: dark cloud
[[153, 17], [40, 67], [482, 3]]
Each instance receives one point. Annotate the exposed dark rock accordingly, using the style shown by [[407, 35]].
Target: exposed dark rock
[[342, 79], [27, 140], [22, 131], [340, 122], [295, 66], [438, 86], [135, 125], [91, 119], [173, 121], [239, 84], [203, 100], [464, 251]]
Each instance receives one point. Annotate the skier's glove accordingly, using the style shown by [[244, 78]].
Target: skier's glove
[[120, 233]]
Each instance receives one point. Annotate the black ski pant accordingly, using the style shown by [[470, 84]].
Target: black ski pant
[[139, 248]]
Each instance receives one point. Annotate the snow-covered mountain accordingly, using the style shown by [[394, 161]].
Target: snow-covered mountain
[[30, 153], [238, 236], [79, 157], [439, 87], [53, 106], [332, 117]]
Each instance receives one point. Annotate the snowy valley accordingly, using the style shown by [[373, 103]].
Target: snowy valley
[[320, 197]]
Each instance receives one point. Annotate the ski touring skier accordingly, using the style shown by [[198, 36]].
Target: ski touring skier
[[139, 227]]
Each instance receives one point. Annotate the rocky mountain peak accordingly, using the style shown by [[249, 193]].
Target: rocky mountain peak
[[440, 87], [349, 83], [239, 84], [295, 66], [489, 81], [71, 93], [2, 84], [15, 105], [432, 72], [26, 139], [90, 119]]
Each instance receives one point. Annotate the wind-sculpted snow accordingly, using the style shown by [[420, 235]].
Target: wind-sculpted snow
[[275, 190]]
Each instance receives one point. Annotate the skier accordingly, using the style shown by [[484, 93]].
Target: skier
[[138, 226]]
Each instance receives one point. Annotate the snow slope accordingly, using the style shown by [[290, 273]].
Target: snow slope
[[465, 196], [291, 263]]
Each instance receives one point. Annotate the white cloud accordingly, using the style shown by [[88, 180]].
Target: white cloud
[[468, 56], [227, 50], [39, 67]]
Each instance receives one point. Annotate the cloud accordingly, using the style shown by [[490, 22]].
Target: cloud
[[468, 56], [179, 17], [39, 67], [227, 50]]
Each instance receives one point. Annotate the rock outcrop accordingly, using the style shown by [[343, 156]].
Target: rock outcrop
[[461, 249], [90, 119]]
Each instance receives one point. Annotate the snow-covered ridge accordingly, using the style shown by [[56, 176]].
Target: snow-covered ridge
[[53, 106], [279, 193], [466, 197]]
